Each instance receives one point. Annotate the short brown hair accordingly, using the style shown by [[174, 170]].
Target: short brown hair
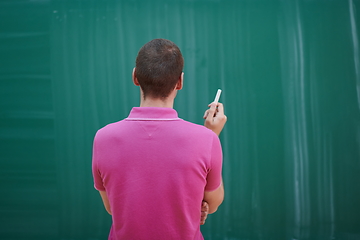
[[159, 65]]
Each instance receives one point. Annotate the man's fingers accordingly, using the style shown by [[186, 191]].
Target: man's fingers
[[211, 112], [220, 108], [205, 206], [204, 212], [206, 114], [203, 217]]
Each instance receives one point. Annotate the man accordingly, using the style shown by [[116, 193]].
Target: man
[[156, 172]]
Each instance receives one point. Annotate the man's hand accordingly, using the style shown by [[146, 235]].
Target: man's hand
[[204, 212], [215, 118]]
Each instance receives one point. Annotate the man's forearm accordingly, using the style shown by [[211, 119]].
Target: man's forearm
[[214, 198], [105, 201]]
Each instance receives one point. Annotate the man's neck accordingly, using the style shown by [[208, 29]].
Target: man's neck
[[155, 102]]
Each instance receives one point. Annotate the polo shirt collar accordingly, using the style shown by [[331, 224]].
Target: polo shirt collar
[[152, 114]]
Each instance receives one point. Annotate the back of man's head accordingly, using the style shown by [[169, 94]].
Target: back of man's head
[[159, 65]]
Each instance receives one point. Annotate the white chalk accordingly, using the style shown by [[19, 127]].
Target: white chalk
[[217, 97]]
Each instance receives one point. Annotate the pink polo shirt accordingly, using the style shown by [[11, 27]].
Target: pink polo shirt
[[155, 168]]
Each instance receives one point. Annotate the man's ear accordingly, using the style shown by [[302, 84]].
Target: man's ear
[[134, 78], [180, 82]]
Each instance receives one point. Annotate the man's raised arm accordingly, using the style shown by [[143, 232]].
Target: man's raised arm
[[215, 120]]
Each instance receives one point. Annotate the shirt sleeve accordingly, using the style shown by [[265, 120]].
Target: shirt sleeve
[[98, 182], [214, 177]]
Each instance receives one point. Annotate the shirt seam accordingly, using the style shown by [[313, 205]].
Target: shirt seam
[[152, 119]]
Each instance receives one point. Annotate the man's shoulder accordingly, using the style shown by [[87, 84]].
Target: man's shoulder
[[109, 128], [197, 129]]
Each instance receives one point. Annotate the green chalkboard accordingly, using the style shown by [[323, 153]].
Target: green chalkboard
[[290, 75]]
